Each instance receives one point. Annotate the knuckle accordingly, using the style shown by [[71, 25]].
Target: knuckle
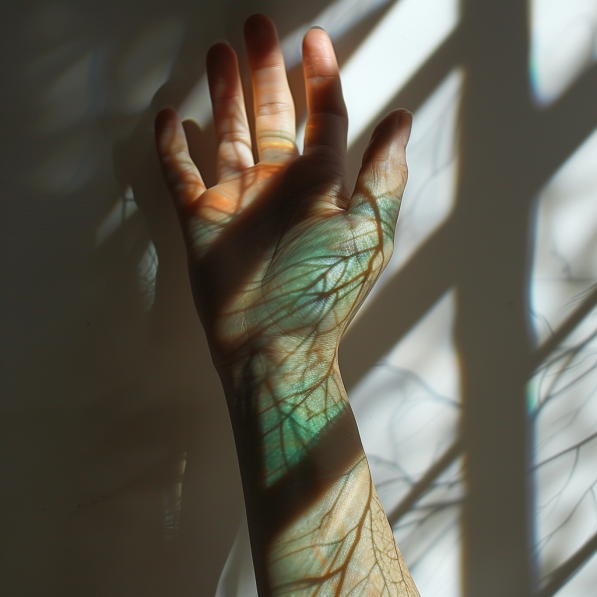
[[272, 108], [236, 137]]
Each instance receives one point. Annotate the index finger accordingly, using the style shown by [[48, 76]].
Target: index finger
[[327, 120]]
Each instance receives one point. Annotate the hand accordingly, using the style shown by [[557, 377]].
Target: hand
[[280, 253], [281, 256]]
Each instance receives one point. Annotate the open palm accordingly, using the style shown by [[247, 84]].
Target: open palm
[[280, 250]]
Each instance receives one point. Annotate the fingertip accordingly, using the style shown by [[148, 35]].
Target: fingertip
[[166, 123], [259, 27], [384, 171], [220, 49], [395, 126], [397, 120], [405, 124], [164, 116], [315, 31], [258, 20], [261, 40], [316, 38], [319, 56], [222, 67]]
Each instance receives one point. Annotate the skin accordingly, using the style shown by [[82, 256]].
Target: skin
[[281, 256]]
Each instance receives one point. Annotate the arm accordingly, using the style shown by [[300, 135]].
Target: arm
[[281, 256], [316, 523]]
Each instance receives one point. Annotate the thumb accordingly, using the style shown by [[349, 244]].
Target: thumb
[[383, 175]]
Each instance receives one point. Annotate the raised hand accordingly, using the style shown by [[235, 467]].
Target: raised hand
[[280, 248], [281, 256]]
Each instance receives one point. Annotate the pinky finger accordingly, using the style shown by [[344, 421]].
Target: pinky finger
[[180, 173]]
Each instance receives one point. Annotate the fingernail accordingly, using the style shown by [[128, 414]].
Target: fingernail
[[316, 27]]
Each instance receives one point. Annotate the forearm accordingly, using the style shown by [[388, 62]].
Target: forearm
[[316, 523]]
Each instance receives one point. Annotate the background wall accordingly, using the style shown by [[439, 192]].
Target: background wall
[[471, 368]]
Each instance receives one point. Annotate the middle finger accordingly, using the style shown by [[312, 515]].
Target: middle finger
[[274, 107]]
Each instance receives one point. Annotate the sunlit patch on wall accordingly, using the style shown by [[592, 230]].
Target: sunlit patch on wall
[[562, 395], [408, 409], [582, 583], [565, 416], [146, 63], [391, 55], [433, 166], [430, 193], [337, 19], [563, 44], [565, 250], [238, 576], [429, 533]]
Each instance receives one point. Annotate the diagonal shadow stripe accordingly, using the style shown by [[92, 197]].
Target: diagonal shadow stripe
[[543, 351], [556, 133], [431, 272], [561, 575], [424, 484]]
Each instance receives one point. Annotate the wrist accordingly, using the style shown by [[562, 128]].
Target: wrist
[[281, 361], [281, 403]]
